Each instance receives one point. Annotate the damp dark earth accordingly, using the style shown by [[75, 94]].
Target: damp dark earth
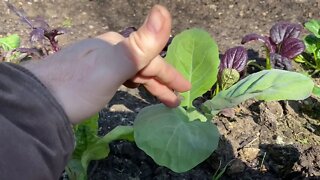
[[262, 140]]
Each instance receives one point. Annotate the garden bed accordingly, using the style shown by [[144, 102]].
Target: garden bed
[[263, 141]]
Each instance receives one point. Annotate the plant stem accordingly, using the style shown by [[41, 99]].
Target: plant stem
[[312, 65], [268, 62], [316, 60], [218, 176], [216, 91], [264, 156]]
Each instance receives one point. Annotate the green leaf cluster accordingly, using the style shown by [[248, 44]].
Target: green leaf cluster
[[182, 137], [312, 44], [7, 45], [89, 146], [10, 42]]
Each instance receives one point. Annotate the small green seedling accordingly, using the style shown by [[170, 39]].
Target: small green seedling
[[312, 42], [89, 146], [8, 45], [10, 42]]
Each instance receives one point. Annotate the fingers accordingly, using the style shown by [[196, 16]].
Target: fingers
[[162, 92], [145, 44], [166, 74], [142, 48]]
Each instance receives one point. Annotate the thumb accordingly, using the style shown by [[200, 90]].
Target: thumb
[[147, 42]]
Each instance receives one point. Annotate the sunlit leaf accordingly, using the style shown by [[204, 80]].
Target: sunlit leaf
[[314, 27], [266, 85], [195, 54]]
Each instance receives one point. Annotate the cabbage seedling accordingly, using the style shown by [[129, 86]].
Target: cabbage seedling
[[89, 146], [281, 46], [181, 138]]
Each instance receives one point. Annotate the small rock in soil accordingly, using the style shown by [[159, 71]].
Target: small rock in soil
[[249, 154]]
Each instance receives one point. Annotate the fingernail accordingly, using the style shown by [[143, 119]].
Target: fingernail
[[155, 20]]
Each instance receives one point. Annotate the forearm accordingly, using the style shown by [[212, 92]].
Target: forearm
[[75, 78]]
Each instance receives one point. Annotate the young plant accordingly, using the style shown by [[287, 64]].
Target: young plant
[[312, 42], [89, 146], [233, 63], [8, 45], [281, 46], [10, 42], [182, 137], [40, 29]]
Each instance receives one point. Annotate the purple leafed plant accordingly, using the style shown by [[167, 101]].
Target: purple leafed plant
[[40, 28], [232, 63], [234, 58], [127, 31], [281, 46]]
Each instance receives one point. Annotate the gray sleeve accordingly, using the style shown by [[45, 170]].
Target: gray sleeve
[[36, 139]]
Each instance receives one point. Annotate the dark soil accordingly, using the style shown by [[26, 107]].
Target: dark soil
[[274, 140]]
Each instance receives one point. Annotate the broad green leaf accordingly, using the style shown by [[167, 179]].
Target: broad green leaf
[[313, 26], [172, 140], [195, 54], [86, 134], [266, 85], [10, 42], [101, 149]]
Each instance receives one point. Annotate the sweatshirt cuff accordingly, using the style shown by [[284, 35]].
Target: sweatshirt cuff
[[34, 125]]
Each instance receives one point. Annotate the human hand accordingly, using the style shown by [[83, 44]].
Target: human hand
[[85, 76], [155, 74]]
